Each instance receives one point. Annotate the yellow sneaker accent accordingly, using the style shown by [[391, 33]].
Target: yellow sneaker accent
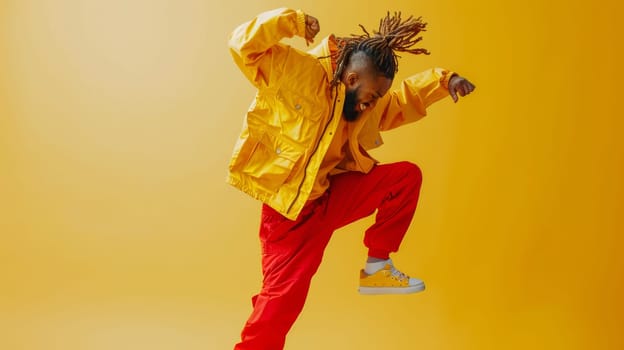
[[389, 280]]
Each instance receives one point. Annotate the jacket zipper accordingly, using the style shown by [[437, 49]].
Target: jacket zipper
[[305, 172]]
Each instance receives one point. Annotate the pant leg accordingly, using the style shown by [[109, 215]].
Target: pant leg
[[291, 254], [293, 250], [391, 189]]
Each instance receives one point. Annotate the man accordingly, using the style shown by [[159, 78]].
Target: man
[[303, 153]]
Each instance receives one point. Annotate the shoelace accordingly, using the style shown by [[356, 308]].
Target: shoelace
[[398, 274]]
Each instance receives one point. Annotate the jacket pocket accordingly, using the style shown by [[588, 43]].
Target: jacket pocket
[[267, 158]]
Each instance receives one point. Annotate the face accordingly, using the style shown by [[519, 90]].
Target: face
[[362, 93]]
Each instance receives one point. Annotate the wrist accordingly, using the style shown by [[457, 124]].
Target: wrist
[[301, 23], [446, 79]]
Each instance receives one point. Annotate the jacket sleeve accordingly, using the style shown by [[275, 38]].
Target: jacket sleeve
[[254, 45], [409, 103]]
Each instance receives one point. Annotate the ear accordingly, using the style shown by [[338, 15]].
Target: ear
[[351, 79]]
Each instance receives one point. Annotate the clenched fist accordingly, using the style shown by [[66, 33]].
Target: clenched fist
[[312, 28], [459, 85]]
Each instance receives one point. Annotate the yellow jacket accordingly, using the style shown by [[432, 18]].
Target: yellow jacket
[[290, 124]]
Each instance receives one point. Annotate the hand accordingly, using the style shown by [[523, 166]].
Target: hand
[[312, 28], [459, 85]]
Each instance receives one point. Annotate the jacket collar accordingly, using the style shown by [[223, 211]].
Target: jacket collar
[[324, 52]]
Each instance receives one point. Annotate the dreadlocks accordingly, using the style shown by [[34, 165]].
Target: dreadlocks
[[393, 36]]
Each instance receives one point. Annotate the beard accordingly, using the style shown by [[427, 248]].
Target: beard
[[349, 113]]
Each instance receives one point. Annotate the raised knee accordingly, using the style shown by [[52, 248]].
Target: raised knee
[[412, 171]]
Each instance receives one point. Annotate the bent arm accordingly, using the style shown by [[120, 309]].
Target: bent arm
[[409, 103], [254, 44]]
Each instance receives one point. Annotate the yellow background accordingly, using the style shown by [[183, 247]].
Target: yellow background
[[117, 119]]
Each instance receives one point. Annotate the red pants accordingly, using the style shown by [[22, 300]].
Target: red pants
[[292, 250]]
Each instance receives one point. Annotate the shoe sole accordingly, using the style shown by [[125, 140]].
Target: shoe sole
[[391, 290]]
